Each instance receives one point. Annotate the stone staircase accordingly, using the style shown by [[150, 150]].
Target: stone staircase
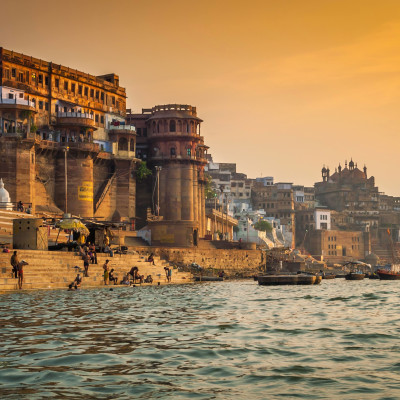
[[56, 269]]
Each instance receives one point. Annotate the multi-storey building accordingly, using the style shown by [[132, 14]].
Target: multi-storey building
[[65, 145], [278, 202]]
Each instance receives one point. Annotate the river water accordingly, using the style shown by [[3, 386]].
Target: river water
[[220, 340]]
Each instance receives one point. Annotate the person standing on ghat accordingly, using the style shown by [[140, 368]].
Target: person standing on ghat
[[14, 263]]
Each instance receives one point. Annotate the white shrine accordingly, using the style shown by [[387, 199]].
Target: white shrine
[[5, 200]]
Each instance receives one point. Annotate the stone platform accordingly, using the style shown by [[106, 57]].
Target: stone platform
[[56, 269]]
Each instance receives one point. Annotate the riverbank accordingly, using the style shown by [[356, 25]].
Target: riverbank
[[57, 269]]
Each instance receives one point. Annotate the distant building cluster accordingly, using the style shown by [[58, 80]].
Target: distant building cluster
[[342, 217]]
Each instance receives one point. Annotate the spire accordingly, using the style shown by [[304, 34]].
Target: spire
[[340, 168], [1, 183]]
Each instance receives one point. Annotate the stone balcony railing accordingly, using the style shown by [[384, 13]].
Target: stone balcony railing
[[75, 118], [120, 128], [18, 103]]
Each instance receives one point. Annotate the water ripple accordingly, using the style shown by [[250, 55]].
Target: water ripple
[[209, 341]]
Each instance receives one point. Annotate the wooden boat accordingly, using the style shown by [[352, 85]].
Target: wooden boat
[[388, 275], [355, 276], [328, 276], [299, 279]]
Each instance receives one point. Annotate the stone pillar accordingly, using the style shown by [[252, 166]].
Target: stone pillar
[[195, 195], [126, 190], [187, 193], [174, 195], [79, 184], [163, 192], [25, 174]]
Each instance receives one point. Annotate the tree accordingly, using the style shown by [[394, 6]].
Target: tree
[[264, 226], [142, 172], [209, 190]]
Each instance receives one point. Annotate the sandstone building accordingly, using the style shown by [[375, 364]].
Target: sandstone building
[[64, 142], [169, 140]]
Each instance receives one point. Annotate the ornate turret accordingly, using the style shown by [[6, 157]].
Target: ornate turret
[[339, 168], [351, 165], [324, 174], [365, 171]]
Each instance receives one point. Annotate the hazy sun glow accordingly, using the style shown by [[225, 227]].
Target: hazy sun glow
[[283, 86]]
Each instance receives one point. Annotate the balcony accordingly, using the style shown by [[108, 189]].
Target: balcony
[[75, 119], [16, 103], [121, 129]]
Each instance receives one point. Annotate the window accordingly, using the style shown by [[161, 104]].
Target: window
[[73, 87], [139, 131], [6, 73], [46, 81], [40, 79], [86, 91], [172, 126], [10, 96], [65, 85], [13, 72], [102, 96], [91, 92], [189, 152], [21, 95], [56, 108], [57, 83], [173, 151], [46, 106], [80, 90], [96, 117], [40, 105], [97, 94], [145, 132], [102, 119], [113, 100]]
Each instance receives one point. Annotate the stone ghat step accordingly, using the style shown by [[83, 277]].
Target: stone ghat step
[[62, 281]]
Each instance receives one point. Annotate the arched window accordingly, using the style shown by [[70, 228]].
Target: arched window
[[191, 127], [179, 129], [154, 126], [172, 151], [158, 127], [185, 127], [123, 144], [172, 126]]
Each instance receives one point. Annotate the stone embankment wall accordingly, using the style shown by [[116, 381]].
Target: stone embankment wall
[[231, 261]]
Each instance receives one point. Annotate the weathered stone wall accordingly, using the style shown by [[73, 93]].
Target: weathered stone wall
[[228, 260]]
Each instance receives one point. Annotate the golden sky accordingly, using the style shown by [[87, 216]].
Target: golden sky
[[283, 86]]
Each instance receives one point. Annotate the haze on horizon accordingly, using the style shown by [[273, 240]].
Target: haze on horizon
[[283, 86]]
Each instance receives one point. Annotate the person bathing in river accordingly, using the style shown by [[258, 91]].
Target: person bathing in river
[[14, 263]]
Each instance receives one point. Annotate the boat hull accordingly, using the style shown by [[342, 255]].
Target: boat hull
[[275, 280], [388, 276], [355, 277]]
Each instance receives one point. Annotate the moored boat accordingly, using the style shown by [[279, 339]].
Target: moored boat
[[388, 275], [328, 276], [355, 276], [299, 279]]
